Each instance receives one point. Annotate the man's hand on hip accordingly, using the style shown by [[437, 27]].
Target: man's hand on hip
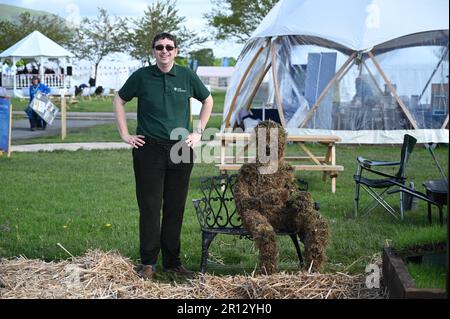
[[193, 139], [134, 140]]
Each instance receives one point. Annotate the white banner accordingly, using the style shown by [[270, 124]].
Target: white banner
[[44, 107]]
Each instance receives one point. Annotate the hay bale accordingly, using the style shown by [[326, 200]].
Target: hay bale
[[100, 274]]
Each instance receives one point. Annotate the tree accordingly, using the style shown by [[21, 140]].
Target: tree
[[204, 57], [181, 60], [219, 61], [236, 19], [161, 16], [52, 26], [98, 37]]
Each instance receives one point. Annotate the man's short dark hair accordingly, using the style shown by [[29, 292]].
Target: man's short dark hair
[[164, 35]]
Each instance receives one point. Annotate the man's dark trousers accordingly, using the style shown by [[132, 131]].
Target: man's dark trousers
[[160, 183]]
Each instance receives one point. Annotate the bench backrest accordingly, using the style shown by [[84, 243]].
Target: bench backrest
[[216, 209]]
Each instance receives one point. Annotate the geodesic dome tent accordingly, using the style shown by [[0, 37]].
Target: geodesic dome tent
[[368, 71]]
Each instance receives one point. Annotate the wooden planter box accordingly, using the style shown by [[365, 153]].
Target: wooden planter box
[[400, 283]]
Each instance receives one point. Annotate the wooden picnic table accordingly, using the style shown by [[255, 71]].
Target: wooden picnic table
[[326, 164]]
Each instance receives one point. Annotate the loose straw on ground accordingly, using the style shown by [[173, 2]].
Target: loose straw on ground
[[109, 275]]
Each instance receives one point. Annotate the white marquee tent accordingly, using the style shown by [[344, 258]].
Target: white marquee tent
[[368, 71], [113, 70]]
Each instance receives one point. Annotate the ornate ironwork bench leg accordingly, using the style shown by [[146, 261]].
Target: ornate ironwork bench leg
[[441, 218], [207, 238], [429, 212]]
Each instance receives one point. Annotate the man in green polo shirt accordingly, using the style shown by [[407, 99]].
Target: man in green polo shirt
[[163, 91]]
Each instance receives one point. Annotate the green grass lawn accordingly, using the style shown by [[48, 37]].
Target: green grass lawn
[[427, 276], [83, 105], [219, 99], [98, 133], [71, 197], [105, 105]]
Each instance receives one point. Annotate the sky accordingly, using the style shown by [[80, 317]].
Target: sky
[[192, 10]]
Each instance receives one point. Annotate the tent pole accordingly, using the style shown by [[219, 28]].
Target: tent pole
[[70, 77], [233, 102], [378, 87], [433, 73], [327, 88], [14, 76], [258, 85], [393, 91], [445, 122], [275, 83], [373, 78], [41, 69], [345, 72]]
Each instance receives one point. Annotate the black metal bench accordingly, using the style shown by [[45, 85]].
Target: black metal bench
[[216, 213]]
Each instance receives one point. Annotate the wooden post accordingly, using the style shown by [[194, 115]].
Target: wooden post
[[223, 146], [327, 161], [333, 163], [238, 89], [393, 91], [327, 88], [275, 84], [63, 118], [10, 132], [222, 154], [346, 70]]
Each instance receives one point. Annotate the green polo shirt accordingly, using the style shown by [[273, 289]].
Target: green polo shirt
[[163, 99]]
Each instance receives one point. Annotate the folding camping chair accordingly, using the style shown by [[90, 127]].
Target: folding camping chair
[[386, 184]]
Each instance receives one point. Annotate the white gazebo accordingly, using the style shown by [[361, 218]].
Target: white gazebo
[[39, 47]]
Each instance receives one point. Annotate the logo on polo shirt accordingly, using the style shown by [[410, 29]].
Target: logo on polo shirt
[[180, 90]]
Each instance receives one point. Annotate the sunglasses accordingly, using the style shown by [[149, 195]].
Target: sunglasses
[[160, 47]]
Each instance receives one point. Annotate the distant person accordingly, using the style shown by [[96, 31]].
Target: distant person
[[36, 122], [22, 70], [79, 89], [99, 90]]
